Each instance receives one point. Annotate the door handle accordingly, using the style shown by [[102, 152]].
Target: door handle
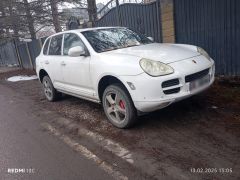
[[63, 63], [46, 62]]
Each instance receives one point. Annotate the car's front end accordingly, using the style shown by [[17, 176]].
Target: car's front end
[[190, 77]]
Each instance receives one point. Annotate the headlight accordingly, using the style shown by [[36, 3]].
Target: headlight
[[204, 53], [155, 68]]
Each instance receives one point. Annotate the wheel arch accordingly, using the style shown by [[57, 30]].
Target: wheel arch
[[107, 80], [42, 73]]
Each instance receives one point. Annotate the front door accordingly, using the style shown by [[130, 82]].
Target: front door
[[76, 74]]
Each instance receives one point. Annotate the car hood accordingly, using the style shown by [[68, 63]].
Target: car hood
[[166, 53]]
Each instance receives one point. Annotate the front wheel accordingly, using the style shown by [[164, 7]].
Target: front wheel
[[118, 106]]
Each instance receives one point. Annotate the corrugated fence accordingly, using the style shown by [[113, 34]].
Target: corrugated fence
[[8, 55], [21, 54], [143, 18], [213, 25]]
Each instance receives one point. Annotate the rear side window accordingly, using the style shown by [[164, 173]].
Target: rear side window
[[71, 40], [45, 48], [55, 45]]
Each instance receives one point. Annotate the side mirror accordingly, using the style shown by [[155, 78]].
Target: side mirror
[[150, 38], [76, 51]]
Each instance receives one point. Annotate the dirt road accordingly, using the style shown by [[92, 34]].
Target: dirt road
[[201, 133]]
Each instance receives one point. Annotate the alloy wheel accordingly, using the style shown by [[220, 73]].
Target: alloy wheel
[[115, 106], [47, 89]]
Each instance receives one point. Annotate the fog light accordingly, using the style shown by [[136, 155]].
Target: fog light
[[131, 85]]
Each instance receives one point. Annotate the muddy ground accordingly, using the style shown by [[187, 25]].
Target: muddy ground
[[200, 132]]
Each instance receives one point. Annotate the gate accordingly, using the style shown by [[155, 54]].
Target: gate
[[8, 54], [20, 53], [142, 18], [34, 48], [213, 25]]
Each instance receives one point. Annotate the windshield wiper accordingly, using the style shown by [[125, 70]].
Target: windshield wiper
[[132, 45]]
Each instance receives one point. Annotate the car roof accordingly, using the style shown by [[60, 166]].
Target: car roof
[[96, 28], [85, 29]]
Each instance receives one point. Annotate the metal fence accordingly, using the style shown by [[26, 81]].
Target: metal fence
[[143, 18], [22, 54], [8, 55], [213, 25]]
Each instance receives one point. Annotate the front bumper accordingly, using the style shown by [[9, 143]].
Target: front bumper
[[150, 95]]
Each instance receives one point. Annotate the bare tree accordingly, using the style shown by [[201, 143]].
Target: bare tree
[[3, 26], [92, 10], [24, 18], [14, 19], [55, 15], [30, 20]]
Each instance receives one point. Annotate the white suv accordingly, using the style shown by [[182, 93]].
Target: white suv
[[125, 71]]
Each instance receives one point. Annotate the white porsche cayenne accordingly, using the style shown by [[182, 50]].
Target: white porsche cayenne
[[126, 71]]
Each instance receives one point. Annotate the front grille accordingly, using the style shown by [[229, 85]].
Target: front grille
[[197, 75], [169, 83], [172, 91]]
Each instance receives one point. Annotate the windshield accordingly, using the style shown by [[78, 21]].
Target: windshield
[[114, 38]]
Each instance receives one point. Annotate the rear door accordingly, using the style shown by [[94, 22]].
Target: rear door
[[76, 70], [53, 61]]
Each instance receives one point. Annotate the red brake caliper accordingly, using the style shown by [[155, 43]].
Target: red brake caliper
[[121, 104]]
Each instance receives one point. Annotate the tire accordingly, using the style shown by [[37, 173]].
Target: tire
[[50, 92], [118, 106]]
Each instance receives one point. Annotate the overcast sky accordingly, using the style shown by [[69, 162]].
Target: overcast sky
[[102, 1], [69, 5]]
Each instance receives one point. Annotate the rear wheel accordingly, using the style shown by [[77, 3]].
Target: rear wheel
[[118, 106], [49, 91]]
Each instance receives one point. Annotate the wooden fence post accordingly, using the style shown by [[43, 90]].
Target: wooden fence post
[[29, 56], [40, 42], [18, 55]]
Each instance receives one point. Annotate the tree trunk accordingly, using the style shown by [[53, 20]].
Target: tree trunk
[[92, 10], [30, 20], [55, 16]]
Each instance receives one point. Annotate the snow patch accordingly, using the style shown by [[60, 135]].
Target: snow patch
[[214, 107], [22, 78]]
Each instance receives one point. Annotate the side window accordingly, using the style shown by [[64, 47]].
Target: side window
[[55, 45], [71, 40], [45, 48]]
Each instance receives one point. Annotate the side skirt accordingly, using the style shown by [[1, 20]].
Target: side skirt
[[79, 96]]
